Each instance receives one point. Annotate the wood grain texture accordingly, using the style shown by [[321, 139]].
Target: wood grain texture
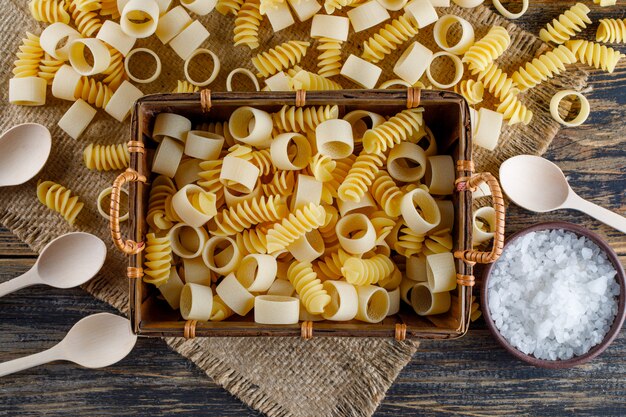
[[469, 377]]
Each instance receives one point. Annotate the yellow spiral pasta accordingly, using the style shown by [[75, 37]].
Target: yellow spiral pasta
[[497, 81], [157, 260], [252, 241], [303, 119], [393, 131], [471, 90], [262, 159], [247, 23], [331, 5], [106, 157], [308, 286], [87, 23], [247, 213], [340, 173], [161, 190], [383, 225], [280, 58], [58, 198], [361, 176], [28, 58], [595, 55], [329, 58], [228, 6], [514, 110], [611, 31], [88, 5], [543, 67], [115, 73], [566, 25], [359, 271], [304, 80], [409, 243], [294, 226], [210, 179], [48, 67], [109, 8], [389, 38], [329, 267], [386, 193], [282, 183], [488, 49], [170, 213], [327, 230], [49, 11], [322, 167], [438, 242], [185, 87], [93, 92], [220, 311]]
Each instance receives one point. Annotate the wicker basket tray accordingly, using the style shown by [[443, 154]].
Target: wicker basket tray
[[447, 114]]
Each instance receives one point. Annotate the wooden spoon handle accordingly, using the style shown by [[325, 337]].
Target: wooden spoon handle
[[27, 279], [604, 215], [30, 361]]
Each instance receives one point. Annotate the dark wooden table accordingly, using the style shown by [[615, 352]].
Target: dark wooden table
[[469, 377]]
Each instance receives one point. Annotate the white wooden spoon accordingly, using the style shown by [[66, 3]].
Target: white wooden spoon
[[95, 341], [536, 184], [68, 261], [24, 150]]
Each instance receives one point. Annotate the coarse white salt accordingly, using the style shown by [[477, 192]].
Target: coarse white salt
[[553, 294]]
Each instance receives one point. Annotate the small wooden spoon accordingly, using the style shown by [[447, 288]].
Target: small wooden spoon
[[95, 341], [24, 150], [68, 261]]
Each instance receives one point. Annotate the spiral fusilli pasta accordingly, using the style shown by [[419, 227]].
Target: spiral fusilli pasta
[[220, 311], [210, 178], [28, 58], [280, 58], [566, 25], [329, 267], [331, 5], [106, 157], [543, 67], [471, 90], [327, 230], [93, 92], [611, 31], [88, 5], [304, 80], [261, 158], [228, 6], [252, 241], [322, 167], [386, 193], [294, 226], [115, 73], [497, 81], [49, 11], [185, 87], [393, 131], [409, 243], [340, 173], [308, 286], [303, 119], [438, 242], [161, 190], [361, 176], [60, 199], [48, 67], [514, 110], [248, 213], [329, 58], [359, 271], [595, 55], [282, 183], [109, 8], [389, 38], [488, 49], [383, 225], [220, 128], [247, 23], [87, 23], [158, 259]]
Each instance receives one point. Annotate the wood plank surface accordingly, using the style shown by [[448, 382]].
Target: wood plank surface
[[469, 377]]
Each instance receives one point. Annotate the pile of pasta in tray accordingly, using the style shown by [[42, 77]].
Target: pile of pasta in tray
[[300, 215]]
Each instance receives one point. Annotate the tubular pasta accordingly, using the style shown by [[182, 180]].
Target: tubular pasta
[[373, 304]]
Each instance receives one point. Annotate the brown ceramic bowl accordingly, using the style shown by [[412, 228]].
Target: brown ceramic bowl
[[617, 322]]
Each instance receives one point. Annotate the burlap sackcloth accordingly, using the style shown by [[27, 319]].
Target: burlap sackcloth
[[282, 376]]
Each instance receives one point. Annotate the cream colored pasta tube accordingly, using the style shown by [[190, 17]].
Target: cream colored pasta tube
[[225, 264], [334, 138], [413, 62], [440, 175], [194, 206], [239, 174], [304, 9], [122, 101], [171, 289], [199, 7], [172, 125], [398, 166], [583, 113], [234, 295], [53, 35], [281, 287], [280, 16], [357, 119], [487, 128], [189, 39], [196, 302], [332, 27], [144, 11], [446, 209], [395, 82], [487, 218], [423, 12], [468, 4], [203, 145], [77, 118], [393, 5], [28, 91], [440, 3], [356, 233], [167, 157], [366, 205], [216, 67], [441, 272], [104, 212], [257, 272], [504, 12], [252, 77], [416, 268], [373, 304], [394, 302], [406, 286], [308, 247], [361, 71], [430, 217], [251, 126], [280, 150], [233, 197], [276, 309], [367, 15], [308, 190], [157, 70], [458, 70], [426, 303], [99, 52], [344, 301], [187, 241], [442, 27], [196, 272], [112, 33], [172, 23]]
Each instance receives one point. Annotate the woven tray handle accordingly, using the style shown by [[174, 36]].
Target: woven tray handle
[[129, 247], [471, 183]]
